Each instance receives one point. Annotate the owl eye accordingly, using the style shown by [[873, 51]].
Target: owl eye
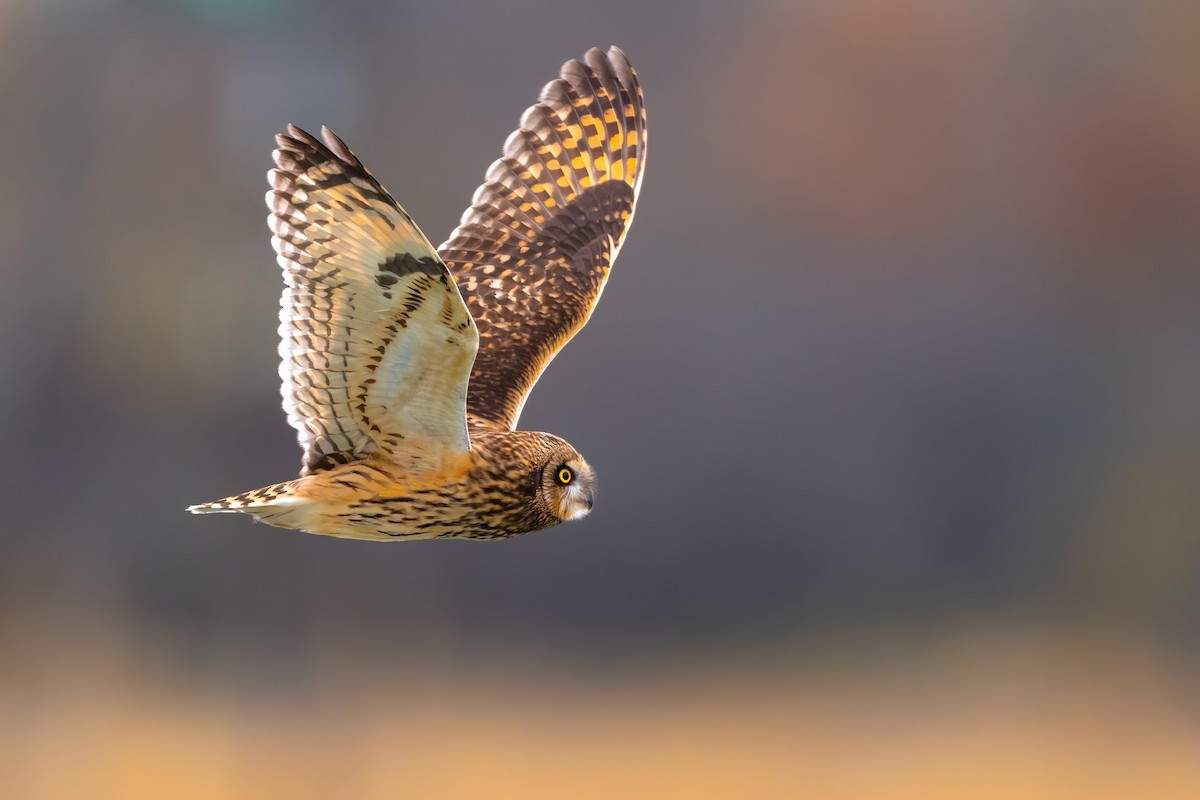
[[564, 475]]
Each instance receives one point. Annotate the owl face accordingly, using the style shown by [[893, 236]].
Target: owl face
[[568, 485]]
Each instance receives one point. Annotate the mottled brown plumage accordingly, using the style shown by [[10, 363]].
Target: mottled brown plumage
[[533, 251], [405, 369]]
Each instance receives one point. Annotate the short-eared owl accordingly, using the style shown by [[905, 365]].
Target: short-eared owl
[[404, 367]]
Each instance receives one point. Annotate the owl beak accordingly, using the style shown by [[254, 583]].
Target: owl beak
[[576, 502]]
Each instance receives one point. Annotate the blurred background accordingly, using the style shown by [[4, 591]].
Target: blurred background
[[894, 397]]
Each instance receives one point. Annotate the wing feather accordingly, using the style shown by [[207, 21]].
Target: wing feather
[[532, 253], [376, 344]]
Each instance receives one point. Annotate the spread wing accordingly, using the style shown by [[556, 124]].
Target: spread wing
[[376, 343], [533, 251]]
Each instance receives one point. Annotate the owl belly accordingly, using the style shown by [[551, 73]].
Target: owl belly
[[372, 502], [425, 514]]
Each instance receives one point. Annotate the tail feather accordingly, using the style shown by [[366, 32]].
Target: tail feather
[[260, 503]]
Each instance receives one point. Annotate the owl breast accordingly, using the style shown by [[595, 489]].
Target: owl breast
[[493, 493]]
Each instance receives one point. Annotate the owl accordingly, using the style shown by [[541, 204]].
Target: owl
[[405, 367]]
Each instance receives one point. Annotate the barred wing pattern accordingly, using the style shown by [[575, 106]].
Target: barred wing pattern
[[532, 253], [376, 343]]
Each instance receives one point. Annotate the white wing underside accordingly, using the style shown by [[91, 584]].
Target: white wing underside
[[376, 345]]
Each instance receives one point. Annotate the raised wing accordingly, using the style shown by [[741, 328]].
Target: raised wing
[[533, 251], [376, 344]]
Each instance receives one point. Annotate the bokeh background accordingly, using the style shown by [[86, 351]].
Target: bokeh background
[[894, 397]]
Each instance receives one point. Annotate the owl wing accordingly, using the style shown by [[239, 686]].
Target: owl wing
[[532, 253], [376, 343]]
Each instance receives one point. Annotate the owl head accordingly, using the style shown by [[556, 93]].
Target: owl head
[[568, 485]]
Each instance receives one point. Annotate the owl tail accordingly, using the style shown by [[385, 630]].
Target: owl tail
[[272, 504]]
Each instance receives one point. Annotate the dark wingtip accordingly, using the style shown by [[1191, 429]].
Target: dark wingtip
[[338, 147], [295, 138]]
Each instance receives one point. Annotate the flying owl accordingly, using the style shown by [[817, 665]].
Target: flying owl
[[405, 368]]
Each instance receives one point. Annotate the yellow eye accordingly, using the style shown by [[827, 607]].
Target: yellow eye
[[565, 475]]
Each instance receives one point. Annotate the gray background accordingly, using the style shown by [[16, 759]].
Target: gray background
[[904, 335]]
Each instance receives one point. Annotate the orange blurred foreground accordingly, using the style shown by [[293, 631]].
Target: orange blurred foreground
[[978, 717]]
